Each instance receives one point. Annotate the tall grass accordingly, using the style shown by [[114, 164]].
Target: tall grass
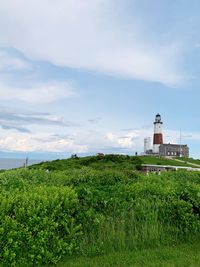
[[135, 229]]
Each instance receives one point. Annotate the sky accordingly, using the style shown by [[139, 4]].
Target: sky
[[89, 76]]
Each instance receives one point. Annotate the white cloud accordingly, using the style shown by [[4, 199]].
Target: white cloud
[[88, 35], [98, 141], [80, 142], [126, 141], [42, 93], [27, 142], [86, 142], [10, 62], [22, 120]]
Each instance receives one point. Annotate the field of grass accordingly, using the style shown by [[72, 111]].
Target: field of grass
[[187, 255], [163, 161], [194, 161], [112, 162]]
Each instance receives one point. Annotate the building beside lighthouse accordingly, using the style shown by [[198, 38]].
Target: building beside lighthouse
[[174, 150], [162, 149]]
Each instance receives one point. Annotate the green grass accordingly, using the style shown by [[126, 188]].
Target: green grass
[[109, 162], [195, 161], [186, 255], [162, 161]]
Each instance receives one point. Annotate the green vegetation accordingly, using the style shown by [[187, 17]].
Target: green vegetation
[[187, 255], [163, 161], [93, 207], [191, 160], [117, 162], [112, 162]]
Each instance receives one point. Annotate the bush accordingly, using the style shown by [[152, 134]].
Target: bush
[[44, 215], [38, 226]]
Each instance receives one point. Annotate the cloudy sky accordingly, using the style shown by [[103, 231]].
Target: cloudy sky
[[89, 76]]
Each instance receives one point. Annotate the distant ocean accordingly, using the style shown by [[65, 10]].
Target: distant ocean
[[8, 163]]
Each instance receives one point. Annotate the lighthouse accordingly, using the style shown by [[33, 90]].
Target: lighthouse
[[158, 137]]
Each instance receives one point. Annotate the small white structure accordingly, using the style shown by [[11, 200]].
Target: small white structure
[[147, 144]]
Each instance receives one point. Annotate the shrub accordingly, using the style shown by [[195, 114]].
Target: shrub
[[38, 226], [44, 215]]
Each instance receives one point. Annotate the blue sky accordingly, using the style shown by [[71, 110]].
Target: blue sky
[[89, 76]]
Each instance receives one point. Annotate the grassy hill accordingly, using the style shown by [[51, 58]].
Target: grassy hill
[[164, 161], [190, 160], [117, 162]]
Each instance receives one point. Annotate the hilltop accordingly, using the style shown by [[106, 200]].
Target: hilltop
[[111, 161]]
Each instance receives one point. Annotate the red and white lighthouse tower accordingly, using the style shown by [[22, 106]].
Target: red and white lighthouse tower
[[157, 137]]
